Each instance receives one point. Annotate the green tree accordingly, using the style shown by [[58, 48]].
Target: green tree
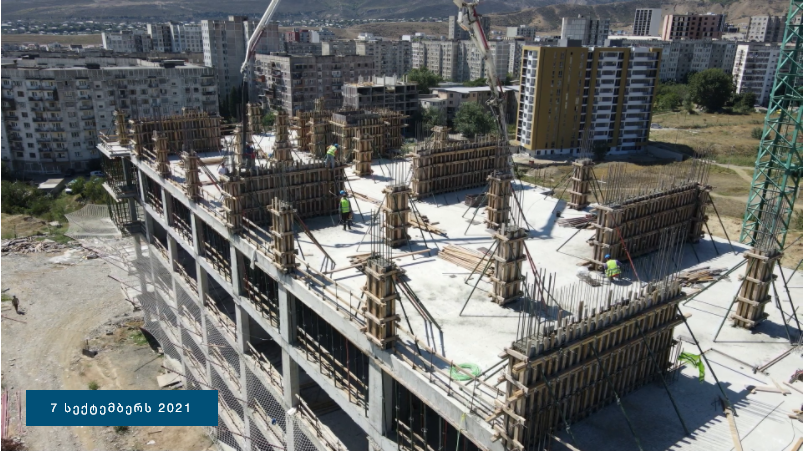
[[509, 79], [600, 149], [744, 102], [668, 101], [432, 116], [476, 82], [424, 79], [711, 89], [473, 119], [269, 119]]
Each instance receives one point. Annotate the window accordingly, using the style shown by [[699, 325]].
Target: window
[[24, 114], [20, 94], [30, 145], [32, 155], [77, 154], [28, 135]]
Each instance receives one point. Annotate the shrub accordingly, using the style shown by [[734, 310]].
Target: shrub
[[93, 385], [756, 133], [120, 429]]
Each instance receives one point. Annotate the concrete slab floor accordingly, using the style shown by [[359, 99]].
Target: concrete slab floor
[[485, 328]]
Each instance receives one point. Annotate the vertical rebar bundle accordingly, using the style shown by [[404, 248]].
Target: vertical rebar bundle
[[621, 186]]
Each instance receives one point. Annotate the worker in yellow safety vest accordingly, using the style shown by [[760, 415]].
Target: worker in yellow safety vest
[[346, 211], [612, 268], [331, 151]]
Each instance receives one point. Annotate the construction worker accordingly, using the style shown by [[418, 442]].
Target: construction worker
[[612, 268], [331, 151], [16, 303], [346, 211]]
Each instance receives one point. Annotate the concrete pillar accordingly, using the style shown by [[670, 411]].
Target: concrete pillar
[[237, 282], [167, 206], [195, 227], [379, 401], [290, 369], [128, 178], [243, 335]]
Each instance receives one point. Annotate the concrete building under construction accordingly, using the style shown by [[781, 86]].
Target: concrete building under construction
[[423, 328]]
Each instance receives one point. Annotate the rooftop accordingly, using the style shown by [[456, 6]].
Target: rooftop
[[485, 328]]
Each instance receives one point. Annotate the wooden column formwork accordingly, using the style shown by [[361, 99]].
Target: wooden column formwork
[[283, 246], [303, 125], [120, 127], [234, 188], [455, 165], [582, 180], [161, 154], [557, 373], [498, 207], [394, 122], [192, 180], [508, 257], [362, 154], [638, 223], [396, 208], [192, 130], [310, 187], [754, 291], [381, 299], [254, 114], [283, 151], [318, 137]]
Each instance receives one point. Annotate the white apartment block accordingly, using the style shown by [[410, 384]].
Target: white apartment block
[[340, 47], [440, 57], [390, 57], [754, 70], [647, 22], [455, 32], [591, 32], [682, 57], [459, 61], [524, 31], [271, 41], [127, 41], [472, 66], [225, 49], [161, 37], [186, 38], [53, 108], [765, 29]]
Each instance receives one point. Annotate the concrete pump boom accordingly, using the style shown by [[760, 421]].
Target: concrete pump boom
[[469, 20]]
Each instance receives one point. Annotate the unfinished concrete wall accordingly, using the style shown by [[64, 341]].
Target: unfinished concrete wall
[[583, 360], [443, 165]]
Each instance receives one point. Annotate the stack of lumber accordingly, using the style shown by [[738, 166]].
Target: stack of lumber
[[423, 223], [576, 222], [699, 275], [465, 258]]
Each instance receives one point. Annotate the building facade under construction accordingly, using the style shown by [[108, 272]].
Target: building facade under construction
[[322, 338]]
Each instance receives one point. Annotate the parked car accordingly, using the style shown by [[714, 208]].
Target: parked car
[[69, 189], [97, 174]]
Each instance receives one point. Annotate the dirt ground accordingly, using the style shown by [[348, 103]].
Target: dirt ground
[[67, 302], [21, 226]]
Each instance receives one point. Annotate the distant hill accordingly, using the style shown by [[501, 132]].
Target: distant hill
[[548, 17]]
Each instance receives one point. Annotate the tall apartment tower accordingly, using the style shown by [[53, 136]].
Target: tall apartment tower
[[765, 29], [161, 37], [647, 22], [225, 49], [566, 92], [591, 32], [186, 38], [456, 32], [390, 57], [754, 70], [693, 26]]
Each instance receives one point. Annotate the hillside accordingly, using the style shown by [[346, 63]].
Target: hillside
[[548, 17]]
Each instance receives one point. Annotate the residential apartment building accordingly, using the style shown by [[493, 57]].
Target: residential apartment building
[[647, 22], [390, 93], [522, 31], [754, 70], [390, 57], [591, 32], [186, 38], [53, 108], [457, 33], [765, 29], [604, 93], [472, 65], [440, 57], [681, 58], [272, 40], [304, 48], [308, 36], [450, 98], [692, 26], [127, 41], [225, 49], [161, 37], [340, 47], [294, 82]]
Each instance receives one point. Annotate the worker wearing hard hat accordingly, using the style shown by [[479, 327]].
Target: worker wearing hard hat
[[331, 151], [612, 268], [346, 211]]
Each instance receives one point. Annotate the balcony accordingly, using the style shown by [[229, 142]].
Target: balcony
[[85, 107]]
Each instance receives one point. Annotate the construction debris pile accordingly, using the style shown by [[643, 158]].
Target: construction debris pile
[[28, 245], [466, 258], [699, 275]]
